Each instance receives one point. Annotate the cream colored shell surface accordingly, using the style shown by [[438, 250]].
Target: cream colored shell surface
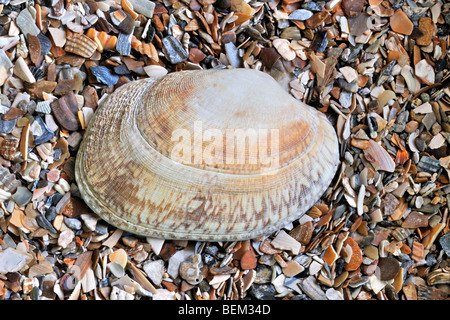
[[127, 174]]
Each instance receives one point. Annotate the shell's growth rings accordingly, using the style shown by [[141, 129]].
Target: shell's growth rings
[[210, 155]]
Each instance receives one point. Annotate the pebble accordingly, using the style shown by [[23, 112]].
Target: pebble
[[13, 114], [415, 220], [420, 144], [312, 6], [386, 72], [122, 70], [312, 289], [359, 24], [411, 126], [26, 24], [7, 126], [22, 71], [175, 261], [317, 19], [390, 204], [431, 259], [248, 260], [46, 44], [425, 72], [196, 55]]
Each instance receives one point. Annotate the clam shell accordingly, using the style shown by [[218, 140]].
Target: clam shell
[[151, 188]]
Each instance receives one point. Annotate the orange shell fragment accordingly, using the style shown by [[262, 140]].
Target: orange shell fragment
[[330, 256]]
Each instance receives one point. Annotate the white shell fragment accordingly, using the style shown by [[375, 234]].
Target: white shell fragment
[[159, 184]]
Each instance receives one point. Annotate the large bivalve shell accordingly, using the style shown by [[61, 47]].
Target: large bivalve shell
[[147, 165], [81, 45]]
